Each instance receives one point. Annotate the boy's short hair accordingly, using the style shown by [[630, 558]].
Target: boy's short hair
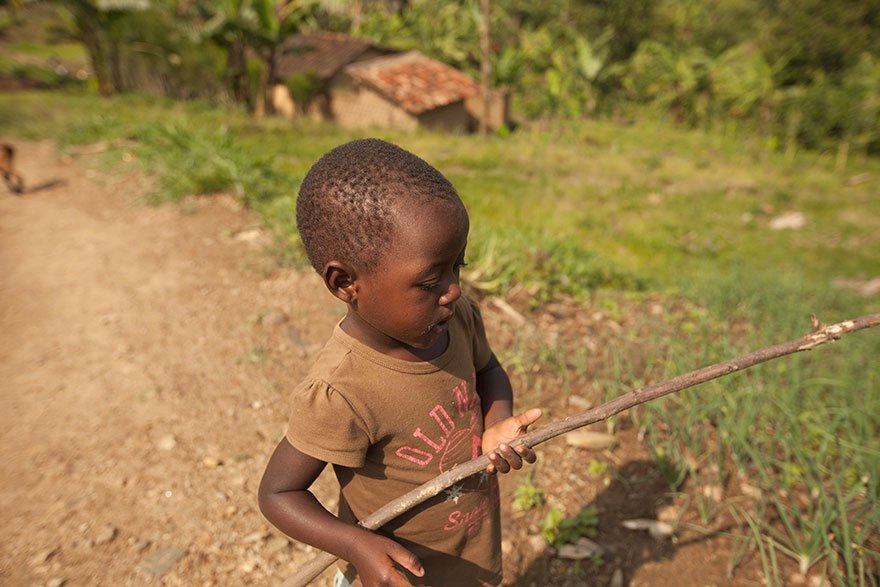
[[344, 211]]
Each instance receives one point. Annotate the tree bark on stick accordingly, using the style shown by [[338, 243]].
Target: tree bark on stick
[[820, 335]]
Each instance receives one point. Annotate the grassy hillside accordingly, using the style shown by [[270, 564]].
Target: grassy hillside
[[612, 204], [618, 214]]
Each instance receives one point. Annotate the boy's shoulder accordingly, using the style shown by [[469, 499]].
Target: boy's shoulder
[[332, 356]]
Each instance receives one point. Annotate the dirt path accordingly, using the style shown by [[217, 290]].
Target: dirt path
[[146, 357]]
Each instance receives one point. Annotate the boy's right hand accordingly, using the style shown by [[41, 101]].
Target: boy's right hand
[[375, 556]]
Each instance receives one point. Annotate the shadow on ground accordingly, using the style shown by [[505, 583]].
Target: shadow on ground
[[637, 491]]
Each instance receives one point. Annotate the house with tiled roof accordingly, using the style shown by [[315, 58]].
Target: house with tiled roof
[[365, 85], [405, 91], [324, 54], [307, 67]]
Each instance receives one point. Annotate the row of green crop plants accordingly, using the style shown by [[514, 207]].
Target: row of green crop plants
[[800, 73], [804, 430], [787, 450]]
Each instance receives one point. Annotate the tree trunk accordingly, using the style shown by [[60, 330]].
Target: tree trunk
[[236, 68], [842, 155], [357, 14], [485, 67], [270, 66], [262, 89], [116, 67], [98, 57]]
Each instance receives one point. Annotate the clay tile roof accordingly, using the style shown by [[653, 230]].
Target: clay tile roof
[[414, 81], [324, 53]]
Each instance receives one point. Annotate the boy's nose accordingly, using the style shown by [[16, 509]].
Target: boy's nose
[[452, 294]]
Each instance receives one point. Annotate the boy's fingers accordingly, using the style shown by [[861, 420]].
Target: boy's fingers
[[504, 459], [512, 457], [498, 463], [491, 466], [528, 418], [527, 453], [407, 560]]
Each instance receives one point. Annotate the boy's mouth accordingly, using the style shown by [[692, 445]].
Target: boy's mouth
[[442, 325]]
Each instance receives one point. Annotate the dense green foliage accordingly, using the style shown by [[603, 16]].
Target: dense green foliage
[[797, 73]]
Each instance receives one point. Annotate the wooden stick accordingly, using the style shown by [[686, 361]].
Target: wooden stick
[[820, 335]]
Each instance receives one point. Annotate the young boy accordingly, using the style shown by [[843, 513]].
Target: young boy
[[406, 388]]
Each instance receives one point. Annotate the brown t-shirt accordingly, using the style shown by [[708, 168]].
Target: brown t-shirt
[[388, 426]]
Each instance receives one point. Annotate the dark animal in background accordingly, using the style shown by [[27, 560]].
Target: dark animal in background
[[14, 181]]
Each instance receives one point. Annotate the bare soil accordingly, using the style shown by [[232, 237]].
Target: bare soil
[[147, 355]]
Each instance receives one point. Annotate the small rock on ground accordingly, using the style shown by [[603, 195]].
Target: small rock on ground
[[160, 561]]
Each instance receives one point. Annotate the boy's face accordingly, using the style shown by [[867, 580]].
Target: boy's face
[[407, 299]]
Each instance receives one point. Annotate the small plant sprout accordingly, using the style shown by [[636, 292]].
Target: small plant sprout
[[527, 495], [597, 468], [559, 530]]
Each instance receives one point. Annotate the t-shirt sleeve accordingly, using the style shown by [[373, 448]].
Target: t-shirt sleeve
[[325, 426], [482, 350]]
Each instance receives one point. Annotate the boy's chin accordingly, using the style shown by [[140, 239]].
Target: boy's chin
[[421, 345], [426, 341]]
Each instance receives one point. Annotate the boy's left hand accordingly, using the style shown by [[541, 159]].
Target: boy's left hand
[[502, 457]]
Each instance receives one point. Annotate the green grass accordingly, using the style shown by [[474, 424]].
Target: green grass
[[37, 75], [618, 214], [594, 205], [69, 51]]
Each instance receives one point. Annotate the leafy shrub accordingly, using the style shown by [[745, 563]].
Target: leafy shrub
[[741, 81], [559, 530], [304, 87], [826, 111]]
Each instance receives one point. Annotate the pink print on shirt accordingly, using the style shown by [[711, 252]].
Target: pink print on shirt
[[473, 520], [456, 437], [453, 434]]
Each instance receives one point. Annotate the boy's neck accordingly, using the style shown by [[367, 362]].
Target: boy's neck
[[354, 326]]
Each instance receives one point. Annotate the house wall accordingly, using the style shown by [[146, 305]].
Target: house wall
[[499, 108], [354, 106], [450, 118], [358, 107], [282, 101]]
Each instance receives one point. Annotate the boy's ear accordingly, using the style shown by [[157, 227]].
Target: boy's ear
[[339, 278]]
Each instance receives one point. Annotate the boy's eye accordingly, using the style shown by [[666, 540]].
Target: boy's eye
[[434, 284]]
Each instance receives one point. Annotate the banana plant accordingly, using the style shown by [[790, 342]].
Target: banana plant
[[269, 24], [224, 22], [742, 81], [672, 80], [260, 26], [95, 22]]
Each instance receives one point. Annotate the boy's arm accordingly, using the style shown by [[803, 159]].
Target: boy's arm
[[499, 424], [288, 504]]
